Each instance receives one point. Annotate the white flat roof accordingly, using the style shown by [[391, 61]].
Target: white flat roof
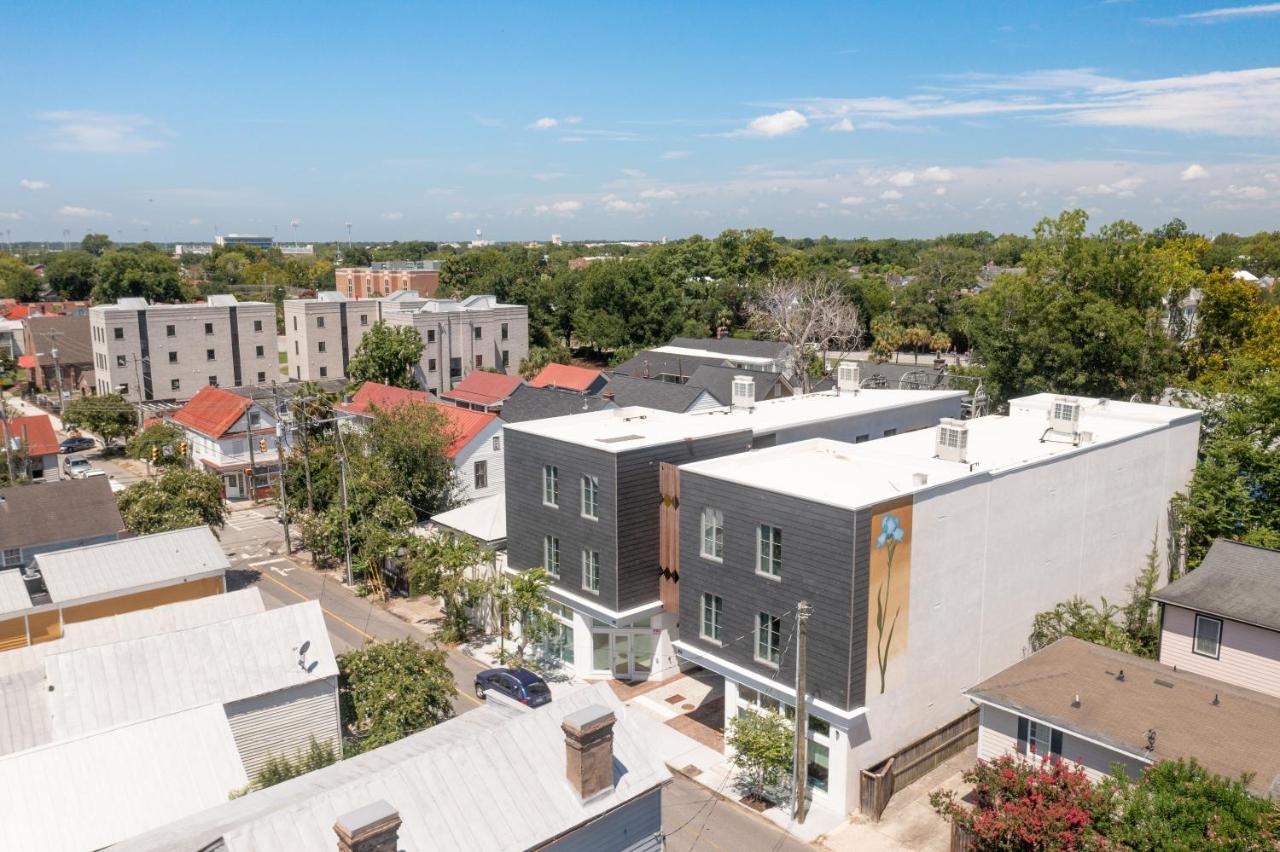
[[131, 563], [619, 429], [90, 792], [856, 475], [707, 353]]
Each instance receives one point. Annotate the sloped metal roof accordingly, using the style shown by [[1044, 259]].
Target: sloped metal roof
[[13, 593], [24, 713]]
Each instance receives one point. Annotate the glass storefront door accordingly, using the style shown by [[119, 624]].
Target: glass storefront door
[[625, 654], [622, 656]]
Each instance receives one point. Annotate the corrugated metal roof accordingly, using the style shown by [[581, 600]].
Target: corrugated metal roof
[[24, 713], [85, 572], [90, 792], [132, 625], [107, 685], [511, 770], [13, 593], [484, 519]]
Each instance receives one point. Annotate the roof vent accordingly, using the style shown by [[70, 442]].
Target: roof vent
[[1064, 416], [847, 377], [952, 440], [744, 393], [918, 479]]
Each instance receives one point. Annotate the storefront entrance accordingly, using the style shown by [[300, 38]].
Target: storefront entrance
[[624, 654], [235, 485]]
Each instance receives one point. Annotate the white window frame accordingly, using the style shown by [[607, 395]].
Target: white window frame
[[1195, 637], [551, 486], [775, 562], [712, 523], [590, 505], [1039, 734], [12, 556], [479, 468], [772, 650], [717, 613], [551, 555], [591, 571]]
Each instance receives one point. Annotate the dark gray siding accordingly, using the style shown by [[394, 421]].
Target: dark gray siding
[[818, 566], [638, 504]]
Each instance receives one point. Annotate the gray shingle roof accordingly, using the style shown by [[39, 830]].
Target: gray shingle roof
[[70, 510], [653, 393], [529, 403], [719, 381], [648, 364], [733, 346], [1235, 581]]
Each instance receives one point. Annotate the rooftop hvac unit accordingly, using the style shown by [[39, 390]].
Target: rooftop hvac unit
[[847, 377], [1064, 415], [744, 393], [953, 440]]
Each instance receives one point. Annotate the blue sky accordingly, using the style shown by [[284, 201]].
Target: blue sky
[[641, 120]]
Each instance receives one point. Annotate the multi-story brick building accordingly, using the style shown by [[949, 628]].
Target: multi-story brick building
[[383, 279], [322, 334], [171, 351]]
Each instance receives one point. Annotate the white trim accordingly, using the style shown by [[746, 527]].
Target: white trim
[[1016, 712], [594, 608]]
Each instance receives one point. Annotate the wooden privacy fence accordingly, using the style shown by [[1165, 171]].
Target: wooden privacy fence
[[915, 761]]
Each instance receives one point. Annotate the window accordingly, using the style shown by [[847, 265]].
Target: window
[[324, 372], [769, 551], [121, 360], [124, 388], [257, 325], [455, 368], [262, 378], [210, 354], [713, 534], [480, 473], [173, 357], [1208, 641], [477, 333], [768, 638], [504, 331], [170, 331], [479, 360], [296, 351], [295, 323], [254, 419], [213, 381], [497, 443], [889, 433], [591, 571], [208, 328], [119, 333], [259, 351], [861, 439], [364, 319], [1039, 739], [431, 365], [590, 497], [321, 347], [12, 556], [431, 335], [319, 322], [551, 555], [174, 384], [506, 359], [550, 485], [712, 616]]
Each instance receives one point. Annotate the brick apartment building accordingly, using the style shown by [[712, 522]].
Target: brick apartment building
[[383, 279]]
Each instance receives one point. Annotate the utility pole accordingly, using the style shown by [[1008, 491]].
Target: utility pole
[[304, 414], [284, 501], [4, 425], [253, 465], [57, 370], [801, 768], [346, 529]]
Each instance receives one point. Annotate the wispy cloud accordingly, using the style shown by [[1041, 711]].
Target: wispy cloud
[[547, 177], [844, 125], [459, 216], [658, 193], [393, 217], [633, 173], [544, 123], [1195, 171], [33, 185], [1222, 14], [560, 208], [1122, 188], [100, 132], [83, 213], [773, 125], [12, 215], [621, 205], [675, 155]]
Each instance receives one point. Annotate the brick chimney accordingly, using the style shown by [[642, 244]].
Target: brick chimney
[[588, 741], [372, 828]]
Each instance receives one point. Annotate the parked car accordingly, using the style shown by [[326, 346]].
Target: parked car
[[76, 443], [77, 467], [517, 684]]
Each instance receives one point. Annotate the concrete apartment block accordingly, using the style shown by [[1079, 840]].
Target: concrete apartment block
[[322, 334], [166, 352]]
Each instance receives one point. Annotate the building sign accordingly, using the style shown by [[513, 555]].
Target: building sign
[[888, 593]]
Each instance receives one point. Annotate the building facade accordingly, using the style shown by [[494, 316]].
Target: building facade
[[57, 352], [161, 352], [233, 437], [257, 242], [384, 279], [923, 557]]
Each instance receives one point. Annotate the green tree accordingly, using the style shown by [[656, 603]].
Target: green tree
[[110, 416], [887, 337], [17, 281], [180, 497], [445, 566], [150, 275], [156, 437], [410, 443], [387, 355], [389, 690], [72, 274], [522, 600], [540, 356], [96, 244], [278, 768], [761, 743]]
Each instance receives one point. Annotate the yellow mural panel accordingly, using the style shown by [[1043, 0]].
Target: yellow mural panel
[[888, 594]]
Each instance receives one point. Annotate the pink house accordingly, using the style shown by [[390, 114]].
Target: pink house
[[1222, 620]]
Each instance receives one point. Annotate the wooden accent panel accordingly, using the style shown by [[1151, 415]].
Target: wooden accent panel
[[44, 626], [144, 600], [669, 536], [13, 634]]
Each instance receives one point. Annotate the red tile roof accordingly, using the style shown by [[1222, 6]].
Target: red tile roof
[[212, 411], [565, 376], [18, 312], [41, 440], [483, 388], [463, 423]]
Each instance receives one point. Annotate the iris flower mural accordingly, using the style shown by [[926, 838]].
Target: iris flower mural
[[891, 535]]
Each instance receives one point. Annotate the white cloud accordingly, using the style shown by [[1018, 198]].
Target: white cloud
[[658, 193], [1195, 171], [773, 125], [1228, 13], [844, 125], [1247, 193], [195, 221], [1122, 188], [83, 213], [903, 178], [822, 205], [100, 133], [891, 195], [562, 208], [942, 190], [12, 215], [937, 174], [459, 216], [633, 173], [33, 185], [392, 217], [544, 123], [573, 119], [675, 155], [852, 200], [621, 205]]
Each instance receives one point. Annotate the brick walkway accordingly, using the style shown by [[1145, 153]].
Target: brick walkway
[[704, 724]]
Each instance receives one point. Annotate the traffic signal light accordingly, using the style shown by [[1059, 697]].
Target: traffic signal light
[[262, 445], [248, 471], [182, 448], [155, 453]]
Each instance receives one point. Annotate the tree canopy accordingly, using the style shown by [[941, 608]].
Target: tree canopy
[[110, 416], [389, 690], [387, 355], [180, 497]]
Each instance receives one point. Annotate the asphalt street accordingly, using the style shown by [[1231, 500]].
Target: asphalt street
[[694, 818]]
